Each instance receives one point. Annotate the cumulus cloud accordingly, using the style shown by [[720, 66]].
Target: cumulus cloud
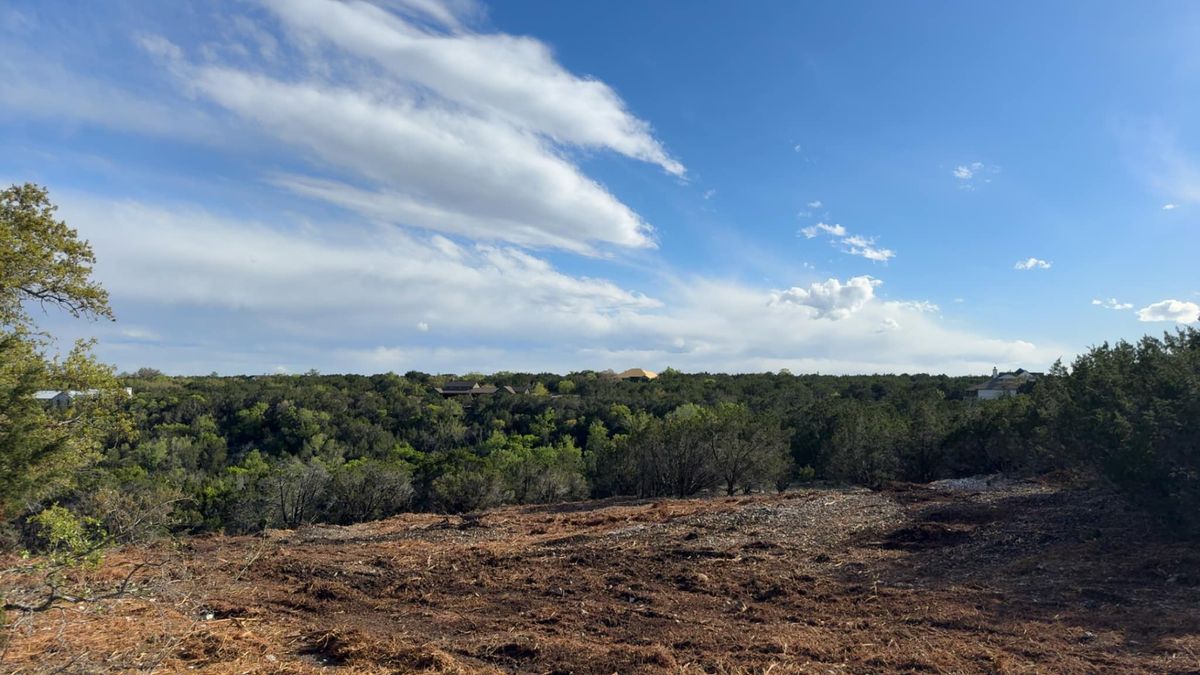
[[816, 204], [1032, 264], [1179, 311], [831, 298], [1168, 207], [1112, 303]]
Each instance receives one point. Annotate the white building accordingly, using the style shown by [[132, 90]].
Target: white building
[[56, 398]]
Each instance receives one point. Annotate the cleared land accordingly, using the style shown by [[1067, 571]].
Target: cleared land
[[960, 577]]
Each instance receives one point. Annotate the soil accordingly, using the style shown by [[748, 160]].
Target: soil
[[1015, 578]]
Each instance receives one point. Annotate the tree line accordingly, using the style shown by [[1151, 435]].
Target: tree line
[[238, 454]]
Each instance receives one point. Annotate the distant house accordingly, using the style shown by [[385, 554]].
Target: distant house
[[1003, 384], [458, 388], [637, 375], [56, 398]]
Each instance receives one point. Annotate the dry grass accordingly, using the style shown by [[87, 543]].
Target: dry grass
[[1022, 579]]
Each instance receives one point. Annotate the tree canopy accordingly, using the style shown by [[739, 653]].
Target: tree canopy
[[43, 261], [42, 449]]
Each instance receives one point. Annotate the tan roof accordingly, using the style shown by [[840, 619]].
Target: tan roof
[[637, 372]]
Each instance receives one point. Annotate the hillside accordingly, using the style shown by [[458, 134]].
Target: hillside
[[958, 576]]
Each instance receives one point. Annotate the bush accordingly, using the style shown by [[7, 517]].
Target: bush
[[464, 490], [369, 489]]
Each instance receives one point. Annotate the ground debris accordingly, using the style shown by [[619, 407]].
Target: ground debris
[[948, 577]]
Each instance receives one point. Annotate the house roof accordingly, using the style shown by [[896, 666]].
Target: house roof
[[637, 372], [470, 388], [1009, 381]]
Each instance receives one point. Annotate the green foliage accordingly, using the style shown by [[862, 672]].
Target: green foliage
[[42, 260], [466, 489], [69, 540], [865, 445], [43, 449], [1134, 411]]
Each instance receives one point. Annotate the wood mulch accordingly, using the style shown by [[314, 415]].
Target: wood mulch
[[1016, 578]]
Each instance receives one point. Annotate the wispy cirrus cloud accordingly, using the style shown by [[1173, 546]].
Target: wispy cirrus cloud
[[971, 174], [814, 231], [853, 244], [400, 111], [511, 77]]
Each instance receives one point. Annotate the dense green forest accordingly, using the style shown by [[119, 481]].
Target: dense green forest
[[242, 453], [238, 454]]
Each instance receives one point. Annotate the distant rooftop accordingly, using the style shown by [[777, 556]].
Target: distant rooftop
[[637, 374]]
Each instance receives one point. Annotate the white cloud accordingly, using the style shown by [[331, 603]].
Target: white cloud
[[888, 324], [349, 277], [866, 248], [969, 174], [140, 334], [709, 194], [397, 110], [850, 243], [1169, 207], [1179, 311], [341, 299], [1112, 303], [422, 326], [920, 306], [830, 298], [513, 78], [814, 230], [1032, 264], [446, 163], [815, 204]]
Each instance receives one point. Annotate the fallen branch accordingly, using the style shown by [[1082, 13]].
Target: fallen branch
[[55, 596]]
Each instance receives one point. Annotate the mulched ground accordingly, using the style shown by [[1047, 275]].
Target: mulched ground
[[952, 578]]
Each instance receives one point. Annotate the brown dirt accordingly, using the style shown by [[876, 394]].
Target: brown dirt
[[1020, 579]]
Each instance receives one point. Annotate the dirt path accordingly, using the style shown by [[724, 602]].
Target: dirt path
[[1023, 578]]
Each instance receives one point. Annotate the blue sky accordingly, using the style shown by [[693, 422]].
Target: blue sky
[[454, 186]]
